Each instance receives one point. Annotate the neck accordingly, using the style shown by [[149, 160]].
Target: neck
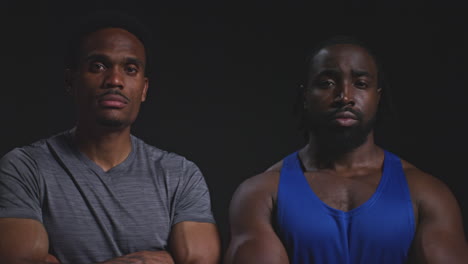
[[105, 146], [315, 157]]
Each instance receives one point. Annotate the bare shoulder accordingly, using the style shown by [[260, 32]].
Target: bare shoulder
[[439, 234], [276, 167], [423, 185], [262, 185], [256, 196], [431, 196], [253, 238]]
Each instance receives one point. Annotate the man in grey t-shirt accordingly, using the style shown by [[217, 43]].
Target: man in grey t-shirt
[[96, 193]]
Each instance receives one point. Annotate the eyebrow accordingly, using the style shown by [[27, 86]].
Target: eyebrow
[[335, 72], [328, 72], [104, 58], [359, 73], [131, 60], [96, 57]]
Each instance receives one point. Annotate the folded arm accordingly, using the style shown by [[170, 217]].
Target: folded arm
[[148, 257], [189, 243]]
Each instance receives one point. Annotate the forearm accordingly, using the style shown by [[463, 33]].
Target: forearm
[[47, 260], [148, 257]]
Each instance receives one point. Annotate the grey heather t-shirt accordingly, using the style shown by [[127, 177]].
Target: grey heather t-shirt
[[91, 215]]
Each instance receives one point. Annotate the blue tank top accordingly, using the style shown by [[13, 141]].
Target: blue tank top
[[379, 231]]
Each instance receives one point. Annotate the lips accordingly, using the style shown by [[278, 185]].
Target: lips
[[345, 114], [345, 118], [112, 101]]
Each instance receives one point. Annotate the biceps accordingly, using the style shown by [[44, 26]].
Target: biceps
[[195, 242], [22, 239], [439, 246], [253, 238]]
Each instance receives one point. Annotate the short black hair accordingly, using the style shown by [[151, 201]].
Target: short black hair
[[385, 108], [106, 19]]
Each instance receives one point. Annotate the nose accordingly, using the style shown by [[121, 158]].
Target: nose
[[344, 94], [114, 78]]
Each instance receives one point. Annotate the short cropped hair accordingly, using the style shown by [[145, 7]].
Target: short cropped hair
[[105, 19]]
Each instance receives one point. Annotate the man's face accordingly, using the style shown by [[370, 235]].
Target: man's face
[[342, 96], [109, 83]]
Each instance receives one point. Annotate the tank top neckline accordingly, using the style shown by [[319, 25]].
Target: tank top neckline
[[337, 212]]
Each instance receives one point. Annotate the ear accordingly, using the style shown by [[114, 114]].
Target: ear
[[145, 90]]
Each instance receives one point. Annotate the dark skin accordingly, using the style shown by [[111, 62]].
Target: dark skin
[[344, 75], [108, 87]]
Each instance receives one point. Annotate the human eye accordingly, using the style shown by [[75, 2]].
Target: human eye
[[324, 84], [131, 69], [362, 84], [97, 66]]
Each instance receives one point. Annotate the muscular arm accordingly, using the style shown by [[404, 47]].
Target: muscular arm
[[195, 243], [439, 237], [190, 243], [253, 237], [23, 241], [140, 257]]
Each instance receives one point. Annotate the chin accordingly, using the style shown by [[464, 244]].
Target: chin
[[341, 139], [337, 143], [111, 123]]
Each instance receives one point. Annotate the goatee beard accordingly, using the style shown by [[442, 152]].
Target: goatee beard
[[333, 141], [341, 140]]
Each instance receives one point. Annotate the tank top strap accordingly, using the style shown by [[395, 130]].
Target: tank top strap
[[396, 174], [291, 163], [394, 171], [292, 174]]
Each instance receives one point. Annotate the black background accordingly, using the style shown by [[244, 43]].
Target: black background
[[225, 78]]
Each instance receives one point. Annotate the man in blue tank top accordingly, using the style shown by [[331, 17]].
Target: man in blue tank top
[[341, 198]]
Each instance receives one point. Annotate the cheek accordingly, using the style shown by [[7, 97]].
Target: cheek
[[317, 99], [138, 90], [88, 82], [369, 103], [85, 91], [135, 95]]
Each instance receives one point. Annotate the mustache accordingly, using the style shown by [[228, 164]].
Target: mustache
[[115, 92], [333, 113]]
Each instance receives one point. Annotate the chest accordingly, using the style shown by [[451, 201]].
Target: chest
[[344, 193], [367, 219], [88, 215]]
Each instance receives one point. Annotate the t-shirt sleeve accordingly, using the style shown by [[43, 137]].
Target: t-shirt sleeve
[[193, 200], [19, 186]]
